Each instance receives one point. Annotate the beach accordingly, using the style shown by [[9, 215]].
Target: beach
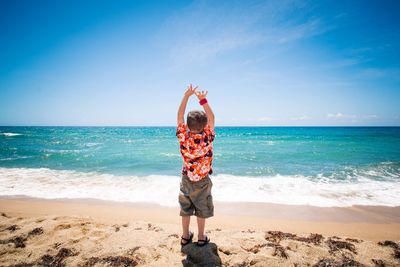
[[283, 196], [89, 232], [279, 119]]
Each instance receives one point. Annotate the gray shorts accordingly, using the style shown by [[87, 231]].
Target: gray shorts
[[195, 197]]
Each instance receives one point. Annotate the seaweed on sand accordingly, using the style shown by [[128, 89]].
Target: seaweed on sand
[[392, 244], [337, 245], [277, 236], [19, 241], [58, 259], [112, 261]]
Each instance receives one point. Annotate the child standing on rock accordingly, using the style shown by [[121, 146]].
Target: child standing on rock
[[195, 138]]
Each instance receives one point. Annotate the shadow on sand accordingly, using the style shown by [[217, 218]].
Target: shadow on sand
[[205, 256]]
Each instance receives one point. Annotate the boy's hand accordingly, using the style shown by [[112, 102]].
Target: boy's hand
[[190, 90], [201, 95]]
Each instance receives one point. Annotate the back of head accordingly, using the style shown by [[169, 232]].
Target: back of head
[[196, 120]]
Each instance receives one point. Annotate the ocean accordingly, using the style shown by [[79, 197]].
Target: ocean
[[318, 166]]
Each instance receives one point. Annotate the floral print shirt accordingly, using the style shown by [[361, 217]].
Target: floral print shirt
[[196, 150]]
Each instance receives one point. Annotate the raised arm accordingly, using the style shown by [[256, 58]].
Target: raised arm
[[210, 114], [181, 111]]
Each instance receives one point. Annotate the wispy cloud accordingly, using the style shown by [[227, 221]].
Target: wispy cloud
[[297, 32], [379, 73], [315, 119], [342, 63], [280, 119], [364, 57], [351, 116], [205, 29], [260, 119], [373, 116], [301, 118], [340, 116]]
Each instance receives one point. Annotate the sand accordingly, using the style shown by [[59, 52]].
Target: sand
[[38, 232]]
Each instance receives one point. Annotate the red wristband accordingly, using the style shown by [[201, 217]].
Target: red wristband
[[203, 101]]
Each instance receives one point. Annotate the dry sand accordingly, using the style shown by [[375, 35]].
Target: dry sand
[[38, 232]]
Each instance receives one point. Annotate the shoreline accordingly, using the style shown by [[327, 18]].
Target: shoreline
[[89, 232], [368, 222]]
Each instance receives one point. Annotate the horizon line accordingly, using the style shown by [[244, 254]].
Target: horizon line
[[153, 126]]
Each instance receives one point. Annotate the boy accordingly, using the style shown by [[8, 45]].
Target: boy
[[195, 139]]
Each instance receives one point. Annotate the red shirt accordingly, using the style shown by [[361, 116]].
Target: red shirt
[[196, 150]]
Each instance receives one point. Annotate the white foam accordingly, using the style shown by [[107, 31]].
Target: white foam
[[62, 150], [164, 189], [16, 158], [52, 184], [10, 134], [170, 155], [92, 144]]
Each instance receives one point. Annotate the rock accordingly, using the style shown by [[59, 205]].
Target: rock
[[205, 256]]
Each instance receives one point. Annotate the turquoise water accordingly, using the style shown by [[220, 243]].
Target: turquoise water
[[244, 157]]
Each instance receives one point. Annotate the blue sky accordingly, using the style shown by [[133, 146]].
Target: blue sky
[[263, 62]]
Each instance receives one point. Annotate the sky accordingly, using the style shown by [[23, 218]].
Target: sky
[[264, 63]]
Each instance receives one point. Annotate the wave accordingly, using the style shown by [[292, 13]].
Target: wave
[[62, 151], [164, 189], [171, 155], [15, 158], [10, 134]]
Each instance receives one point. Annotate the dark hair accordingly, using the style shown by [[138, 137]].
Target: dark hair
[[196, 120]]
